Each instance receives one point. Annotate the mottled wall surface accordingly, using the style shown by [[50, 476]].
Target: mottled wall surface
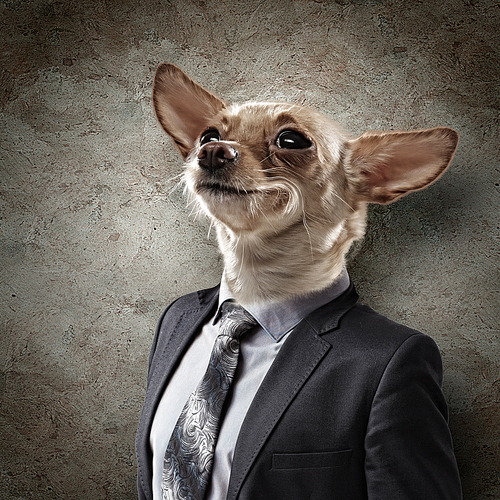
[[96, 238]]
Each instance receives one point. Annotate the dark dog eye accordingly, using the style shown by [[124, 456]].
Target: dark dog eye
[[209, 135], [291, 139]]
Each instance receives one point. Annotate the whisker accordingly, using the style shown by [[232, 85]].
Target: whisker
[[242, 257], [176, 186], [343, 201], [210, 226], [304, 223], [271, 170], [266, 158], [175, 177], [267, 218], [191, 202]]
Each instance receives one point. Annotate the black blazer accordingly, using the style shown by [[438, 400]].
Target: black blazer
[[351, 409]]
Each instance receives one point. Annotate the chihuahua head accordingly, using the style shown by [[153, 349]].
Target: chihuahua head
[[284, 186]]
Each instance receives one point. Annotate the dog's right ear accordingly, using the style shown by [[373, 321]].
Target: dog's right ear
[[182, 107]]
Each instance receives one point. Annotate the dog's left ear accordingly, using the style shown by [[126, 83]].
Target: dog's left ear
[[182, 107], [389, 165]]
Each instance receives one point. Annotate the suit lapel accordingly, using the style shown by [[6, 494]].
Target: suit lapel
[[301, 353], [183, 330], [297, 359], [175, 337]]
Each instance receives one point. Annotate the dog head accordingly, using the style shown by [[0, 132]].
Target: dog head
[[283, 173]]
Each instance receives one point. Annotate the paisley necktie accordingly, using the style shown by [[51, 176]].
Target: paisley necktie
[[189, 456]]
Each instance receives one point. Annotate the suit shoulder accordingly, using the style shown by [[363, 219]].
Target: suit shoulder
[[368, 329], [190, 308], [371, 342], [191, 302], [367, 316]]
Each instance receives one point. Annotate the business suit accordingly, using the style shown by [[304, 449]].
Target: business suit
[[351, 409]]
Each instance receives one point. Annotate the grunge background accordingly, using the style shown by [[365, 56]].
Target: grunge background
[[96, 236]]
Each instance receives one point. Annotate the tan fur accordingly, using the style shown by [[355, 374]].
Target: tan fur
[[285, 219]]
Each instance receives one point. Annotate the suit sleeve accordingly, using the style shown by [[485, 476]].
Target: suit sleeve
[[409, 451]]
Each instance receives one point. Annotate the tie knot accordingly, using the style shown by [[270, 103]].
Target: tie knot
[[235, 320]]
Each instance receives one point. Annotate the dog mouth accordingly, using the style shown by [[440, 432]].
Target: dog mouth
[[216, 188]]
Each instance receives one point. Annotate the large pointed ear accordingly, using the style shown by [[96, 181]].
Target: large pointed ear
[[388, 165], [182, 107]]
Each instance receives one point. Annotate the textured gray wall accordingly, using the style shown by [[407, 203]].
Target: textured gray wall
[[96, 237]]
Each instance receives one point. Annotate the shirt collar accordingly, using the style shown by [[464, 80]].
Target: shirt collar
[[278, 318]]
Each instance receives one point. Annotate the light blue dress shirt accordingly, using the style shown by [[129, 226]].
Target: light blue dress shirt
[[258, 349]]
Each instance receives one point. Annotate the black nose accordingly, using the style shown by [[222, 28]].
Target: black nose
[[215, 155]]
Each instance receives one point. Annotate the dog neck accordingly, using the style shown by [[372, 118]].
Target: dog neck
[[266, 268]]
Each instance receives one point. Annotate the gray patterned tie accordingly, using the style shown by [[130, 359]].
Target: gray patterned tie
[[189, 456]]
